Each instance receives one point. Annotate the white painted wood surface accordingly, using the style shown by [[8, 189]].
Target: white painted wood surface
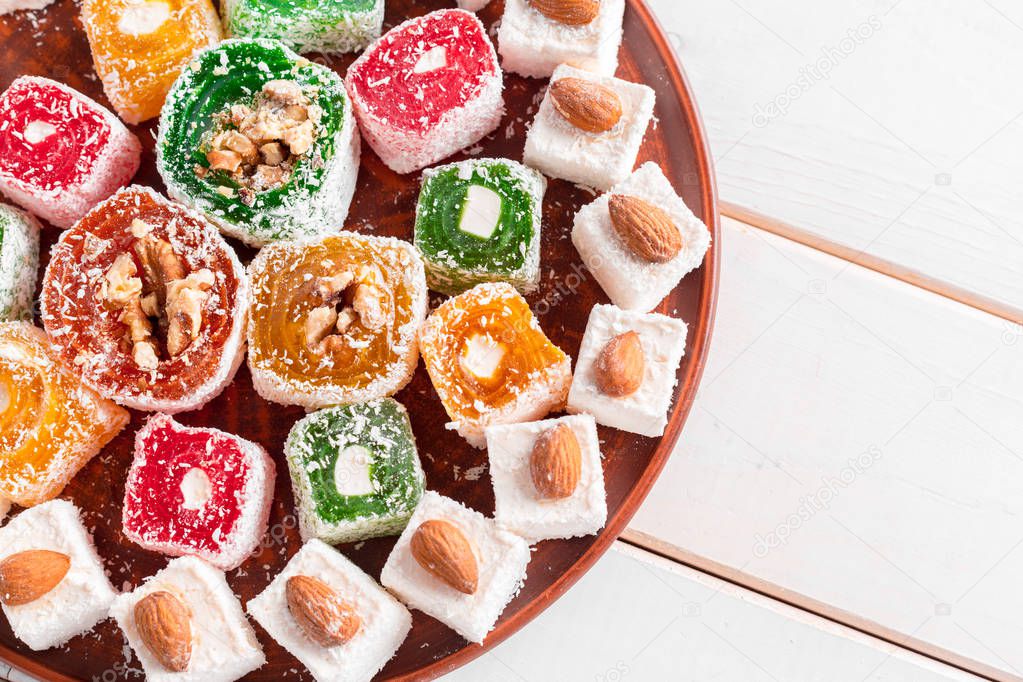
[[636, 616], [858, 442], [900, 141]]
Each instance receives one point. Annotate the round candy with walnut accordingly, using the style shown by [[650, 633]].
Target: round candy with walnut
[[260, 140], [147, 303], [334, 321]]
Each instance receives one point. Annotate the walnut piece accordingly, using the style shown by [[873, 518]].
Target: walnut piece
[[258, 146], [361, 299], [273, 153], [185, 298], [224, 160], [140, 333], [368, 300], [285, 92], [120, 284], [165, 299]]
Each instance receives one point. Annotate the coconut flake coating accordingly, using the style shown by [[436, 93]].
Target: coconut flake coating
[[314, 200], [490, 362], [52, 425], [139, 48], [364, 362], [331, 26], [335, 452], [427, 89], [89, 334], [19, 262], [457, 260], [61, 153], [198, 492]]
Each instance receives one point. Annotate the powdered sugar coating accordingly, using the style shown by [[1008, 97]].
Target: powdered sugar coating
[[533, 45], [81, 599], [224, 646], [19, 262], [631, 282], [385, 622], [158, 514], [44, 127], [87, 331], [414, 119], [501, 559]]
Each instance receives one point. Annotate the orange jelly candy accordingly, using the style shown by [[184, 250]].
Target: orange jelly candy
[[140, 46], [50, 424], [334, 321], [490, 361]]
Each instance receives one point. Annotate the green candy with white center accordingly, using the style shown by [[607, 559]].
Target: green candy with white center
[[315, 198], [479, 221], [329, 26], [19, 262], [355, 471]]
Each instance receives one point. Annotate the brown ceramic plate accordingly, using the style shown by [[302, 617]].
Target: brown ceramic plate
[[51, 43]]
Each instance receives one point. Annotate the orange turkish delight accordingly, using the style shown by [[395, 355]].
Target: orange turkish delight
[[334, 321], [50, 424], [491, 363], [140, 46]]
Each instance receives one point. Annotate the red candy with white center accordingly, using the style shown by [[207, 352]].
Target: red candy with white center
[[199, 492], [427, 89], [60, 152]]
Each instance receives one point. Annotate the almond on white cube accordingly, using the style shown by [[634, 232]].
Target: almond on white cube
[[384, 621], [559, 149], [632, 282], [520, 508], [532, 44], [83, 596], [224, 646], [501, 558], [645, 411]]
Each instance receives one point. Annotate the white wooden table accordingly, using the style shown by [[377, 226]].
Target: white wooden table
[[846, 502]]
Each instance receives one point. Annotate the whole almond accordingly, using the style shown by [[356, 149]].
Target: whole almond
[[442, 549], [27, 576], [588, 106], [646, 230], [320, 612], [164, 626], [569, 12], [555, 463], [620, 366]]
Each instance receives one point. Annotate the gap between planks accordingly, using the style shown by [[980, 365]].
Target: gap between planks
[[885, 267], [795, 600]]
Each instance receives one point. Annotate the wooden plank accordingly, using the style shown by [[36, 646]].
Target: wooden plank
[[855, 448], [883, 126], [673, 622]]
